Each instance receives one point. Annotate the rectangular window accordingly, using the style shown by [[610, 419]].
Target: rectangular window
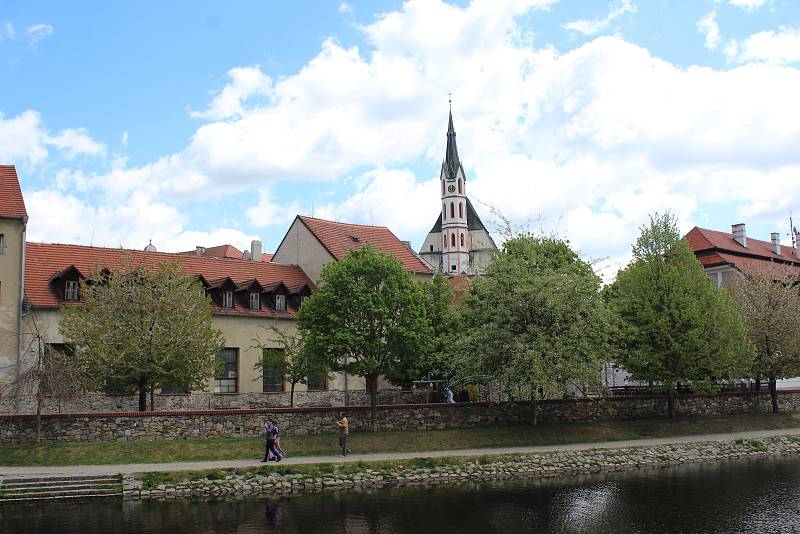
[[227, 299], [2, 244], [255, 301], [317, 381], [173, 389], [225, 380], [71, 290], [280, 302], [272, 373]]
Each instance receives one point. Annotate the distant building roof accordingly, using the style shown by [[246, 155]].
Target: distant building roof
[[12, 205], [224, 251], [44, 261], [714, 248], [339, 238]]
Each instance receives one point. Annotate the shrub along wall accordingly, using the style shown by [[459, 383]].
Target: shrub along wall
[[131, 426]]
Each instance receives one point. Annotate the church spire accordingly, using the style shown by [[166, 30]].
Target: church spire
[[451, 162]]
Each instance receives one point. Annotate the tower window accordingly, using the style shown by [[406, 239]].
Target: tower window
[[444, 212], [442, 187], [452, 240], [452, 211], [459, 186], [460, 210], [462, 240], [431, 248]]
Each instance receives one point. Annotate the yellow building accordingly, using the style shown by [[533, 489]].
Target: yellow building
[[250, 292]]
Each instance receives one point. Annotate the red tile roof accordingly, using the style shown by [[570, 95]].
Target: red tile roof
[[339, 238], [12, 204], [713, 248], [460, 284], [43, 261]]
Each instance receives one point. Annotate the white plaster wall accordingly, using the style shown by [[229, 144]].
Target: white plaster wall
[[300, 247]]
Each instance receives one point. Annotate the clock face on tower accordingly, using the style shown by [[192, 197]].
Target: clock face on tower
[[451, 189]]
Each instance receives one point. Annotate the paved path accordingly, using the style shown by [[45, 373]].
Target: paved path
[[224, 464]]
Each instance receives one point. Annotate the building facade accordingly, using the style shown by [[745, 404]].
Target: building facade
[[458, 243]]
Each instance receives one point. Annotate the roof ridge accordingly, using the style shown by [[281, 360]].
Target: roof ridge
[[343, 223]]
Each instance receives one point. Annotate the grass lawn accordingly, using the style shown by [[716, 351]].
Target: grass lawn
[[470, 438]]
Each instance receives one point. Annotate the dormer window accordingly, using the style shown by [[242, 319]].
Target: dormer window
[[227, 299], [280, 302], [71, 290], [255, 301]]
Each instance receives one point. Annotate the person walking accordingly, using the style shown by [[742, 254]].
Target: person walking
[[278, 439], [271, 453], [449, 395], [344, 429]]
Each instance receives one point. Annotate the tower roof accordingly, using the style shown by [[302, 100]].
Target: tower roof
[[451, 162], [473, 220], [11, 203]]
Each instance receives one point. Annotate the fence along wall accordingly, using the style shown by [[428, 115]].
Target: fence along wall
[[132, 426]]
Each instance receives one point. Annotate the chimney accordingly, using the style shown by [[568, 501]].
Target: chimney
[[255, 250], [406, 243], [776, 242], [199, 251], [739, 234]]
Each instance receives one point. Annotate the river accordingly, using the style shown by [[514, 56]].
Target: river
[[760, 495]]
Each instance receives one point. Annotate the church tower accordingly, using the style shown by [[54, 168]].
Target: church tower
[[455, 234], [458, 242]]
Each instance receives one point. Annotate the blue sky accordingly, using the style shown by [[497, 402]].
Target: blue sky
[[192, 125]]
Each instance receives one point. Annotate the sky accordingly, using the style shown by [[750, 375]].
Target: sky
[[187, 123]]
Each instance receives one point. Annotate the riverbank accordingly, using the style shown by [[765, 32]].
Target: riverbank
[[443, 470], [243, 448]]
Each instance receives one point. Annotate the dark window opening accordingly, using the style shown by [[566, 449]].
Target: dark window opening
[[272, 371], [226, 378]]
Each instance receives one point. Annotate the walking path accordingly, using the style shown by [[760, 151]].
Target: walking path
[[82, 470]]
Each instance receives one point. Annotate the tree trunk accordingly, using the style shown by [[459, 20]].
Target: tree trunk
[[38, 416], [142, 397], [291, 396], [152, 404], [372, 386], [671, 402], [773, 393], [758, 384]]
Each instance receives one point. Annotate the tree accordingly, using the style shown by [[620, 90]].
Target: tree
[[443, 319], [143, 327], [368, 319], [535, 322], [293, 361], [769, 302], [672, 323], [47, 373]]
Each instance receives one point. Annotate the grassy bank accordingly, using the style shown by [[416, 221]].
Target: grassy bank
[[244, 448]]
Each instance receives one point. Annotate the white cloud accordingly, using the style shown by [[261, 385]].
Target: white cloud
[[346, 8], [123, 140], [708, 26], [24, 141], [37, 32], [749, 5], [246, 82], [7, 30], [591, 27], [268, 212], [782, 46]]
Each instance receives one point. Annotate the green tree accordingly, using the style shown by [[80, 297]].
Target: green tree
[[143, 327], [535, 322], [294, 362], [443, 319], [769, 302], [672, 323], [367, 318]]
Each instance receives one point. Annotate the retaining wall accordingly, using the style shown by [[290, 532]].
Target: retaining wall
[[132, 426]]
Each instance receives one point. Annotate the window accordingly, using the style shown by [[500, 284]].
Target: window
[[459, 186], [225, 380], [442, 187], [453, 268], [444, 212], [317, 381], [462, 240], [460, 209], [272, 372], [452, 211], [227, 299], [173, 389], [280, 302], [71, 290], [431, 248], [3, 244], [255, 301], [452, 240]]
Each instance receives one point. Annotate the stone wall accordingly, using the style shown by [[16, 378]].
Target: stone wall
[[133, 426], [198, 400]]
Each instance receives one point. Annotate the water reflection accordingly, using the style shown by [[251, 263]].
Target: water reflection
[[745, 496]]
